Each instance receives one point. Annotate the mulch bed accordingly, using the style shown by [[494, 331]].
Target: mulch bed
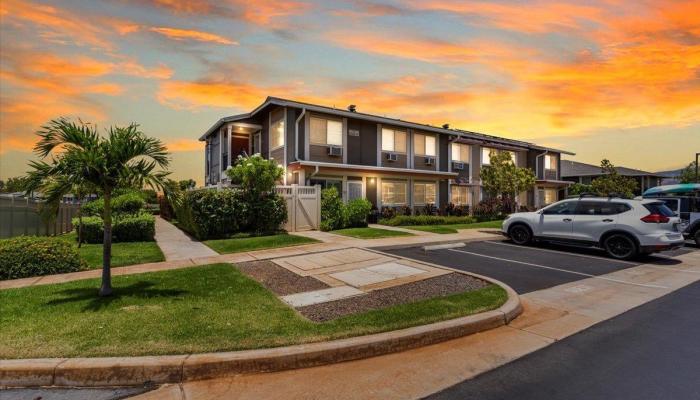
[[280, 280], [433, 287]]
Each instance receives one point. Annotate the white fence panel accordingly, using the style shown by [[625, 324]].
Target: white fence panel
[[303, 207]]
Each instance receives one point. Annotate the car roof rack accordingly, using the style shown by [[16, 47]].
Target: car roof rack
[[587, 194]]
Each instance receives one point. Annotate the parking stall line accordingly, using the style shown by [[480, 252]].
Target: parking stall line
[[560, 270], [564, 252]]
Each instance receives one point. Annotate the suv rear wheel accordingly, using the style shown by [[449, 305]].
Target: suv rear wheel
[[620, 246], [520, 234], [697, 237]]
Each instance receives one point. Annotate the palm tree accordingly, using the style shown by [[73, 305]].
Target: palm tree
[[125, 158]]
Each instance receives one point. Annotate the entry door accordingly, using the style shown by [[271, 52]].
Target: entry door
[[354, 190], [557, 220], [593, 218]]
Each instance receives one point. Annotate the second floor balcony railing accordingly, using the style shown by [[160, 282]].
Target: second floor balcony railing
[[550, 174]]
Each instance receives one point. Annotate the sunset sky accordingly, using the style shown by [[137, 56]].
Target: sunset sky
[[609, 78]]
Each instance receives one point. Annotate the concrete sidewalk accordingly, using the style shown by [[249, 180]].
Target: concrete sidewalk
[[329, 242], [550, 315], [176, 245]]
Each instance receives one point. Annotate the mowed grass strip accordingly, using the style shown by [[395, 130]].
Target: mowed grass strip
[[191, 310], [123, 254], [453, 228], [238, 244], [370, 233]]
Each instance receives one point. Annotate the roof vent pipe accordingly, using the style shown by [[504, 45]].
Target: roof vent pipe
[[445, 126], [352, 108]]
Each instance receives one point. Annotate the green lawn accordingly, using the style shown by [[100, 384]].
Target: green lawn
[[197, 309], [443, 229], [247, 243], [369, 233], [123, 254]]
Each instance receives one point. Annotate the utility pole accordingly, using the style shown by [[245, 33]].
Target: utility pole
[[697, 177]]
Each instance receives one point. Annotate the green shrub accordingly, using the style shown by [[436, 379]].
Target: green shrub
[[127, 203], [134, 228], [93, 231], [332, 210], [150, 196], [26, 256], [403, 220], [267, 215], [357, 212], [125, 228], [210, 214]]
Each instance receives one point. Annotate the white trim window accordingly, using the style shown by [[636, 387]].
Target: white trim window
[[326, 132], [550, 162], [460, 152], [424, 193], [393, 140], [486, 155], [459, 195], [277, 134], [393, 193], [424, 145]]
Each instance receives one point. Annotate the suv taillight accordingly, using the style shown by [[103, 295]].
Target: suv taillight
[[655, 218]]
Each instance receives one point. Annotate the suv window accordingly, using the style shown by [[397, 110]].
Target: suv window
[[659, 208], [565, 208], [601, 208]]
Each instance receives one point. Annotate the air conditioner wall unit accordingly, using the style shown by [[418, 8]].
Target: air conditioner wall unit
[[429, 160], [459, 166], [392, 157], [335, 151]]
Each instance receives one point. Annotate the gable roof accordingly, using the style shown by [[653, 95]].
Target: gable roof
[[379, 119], [574, 168]]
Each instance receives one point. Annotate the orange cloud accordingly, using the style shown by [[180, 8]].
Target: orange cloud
[[188, 34], [194, 95], [179, 145], [537, 17], [264, 12], [54, 24]]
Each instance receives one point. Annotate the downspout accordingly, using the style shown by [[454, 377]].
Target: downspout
[[296, 134]]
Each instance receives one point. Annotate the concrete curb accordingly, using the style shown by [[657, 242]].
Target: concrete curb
[[131, 371]]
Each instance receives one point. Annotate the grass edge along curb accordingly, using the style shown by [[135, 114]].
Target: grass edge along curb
[[115, 371]]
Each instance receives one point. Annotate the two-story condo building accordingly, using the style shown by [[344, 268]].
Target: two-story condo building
[[390, 162]]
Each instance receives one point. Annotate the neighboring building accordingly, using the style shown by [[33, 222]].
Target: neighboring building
[[575, 171], [390, 162], [670, 177]]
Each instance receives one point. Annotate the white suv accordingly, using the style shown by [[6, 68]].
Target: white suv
[[623, 228]]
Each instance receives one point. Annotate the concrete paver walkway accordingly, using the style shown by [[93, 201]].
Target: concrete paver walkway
[[550, 315], [176, 245]]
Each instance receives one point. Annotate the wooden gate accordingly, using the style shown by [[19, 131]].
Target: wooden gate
[[303, 206]]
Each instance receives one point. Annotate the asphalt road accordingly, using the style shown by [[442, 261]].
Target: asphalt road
[[650, 352], [531, 268]]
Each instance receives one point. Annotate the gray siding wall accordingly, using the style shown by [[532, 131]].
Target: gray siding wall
[[475, 161], [320, 153], [401, 160], [362, 150], [443, 195], [443, 152], [292, 114], [419, 163]]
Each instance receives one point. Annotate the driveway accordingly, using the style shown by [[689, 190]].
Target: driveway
[[530, 268]]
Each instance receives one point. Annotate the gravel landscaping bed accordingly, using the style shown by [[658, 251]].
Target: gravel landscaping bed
[[443, 285], [280, 280]]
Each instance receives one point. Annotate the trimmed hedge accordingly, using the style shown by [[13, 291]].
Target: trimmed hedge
[[214, 214], [209, 214], [403, 220], [128, 203], [125, 228], [26, 256]]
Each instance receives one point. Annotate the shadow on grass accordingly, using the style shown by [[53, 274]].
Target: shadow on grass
[[139, 290]]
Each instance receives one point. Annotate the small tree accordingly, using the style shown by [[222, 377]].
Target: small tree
[[579, 188], [15, 184], [503, 178], [612, 182], [125, 158], [333, 215], [257, 178], [688, 175]]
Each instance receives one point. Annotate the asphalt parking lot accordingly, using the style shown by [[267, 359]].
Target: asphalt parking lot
[[530, 268]]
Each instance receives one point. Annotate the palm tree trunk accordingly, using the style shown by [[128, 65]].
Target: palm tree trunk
[[106, 288]]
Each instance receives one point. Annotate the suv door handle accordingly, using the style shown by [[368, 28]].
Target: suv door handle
[[567, 220], [607, 220]]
